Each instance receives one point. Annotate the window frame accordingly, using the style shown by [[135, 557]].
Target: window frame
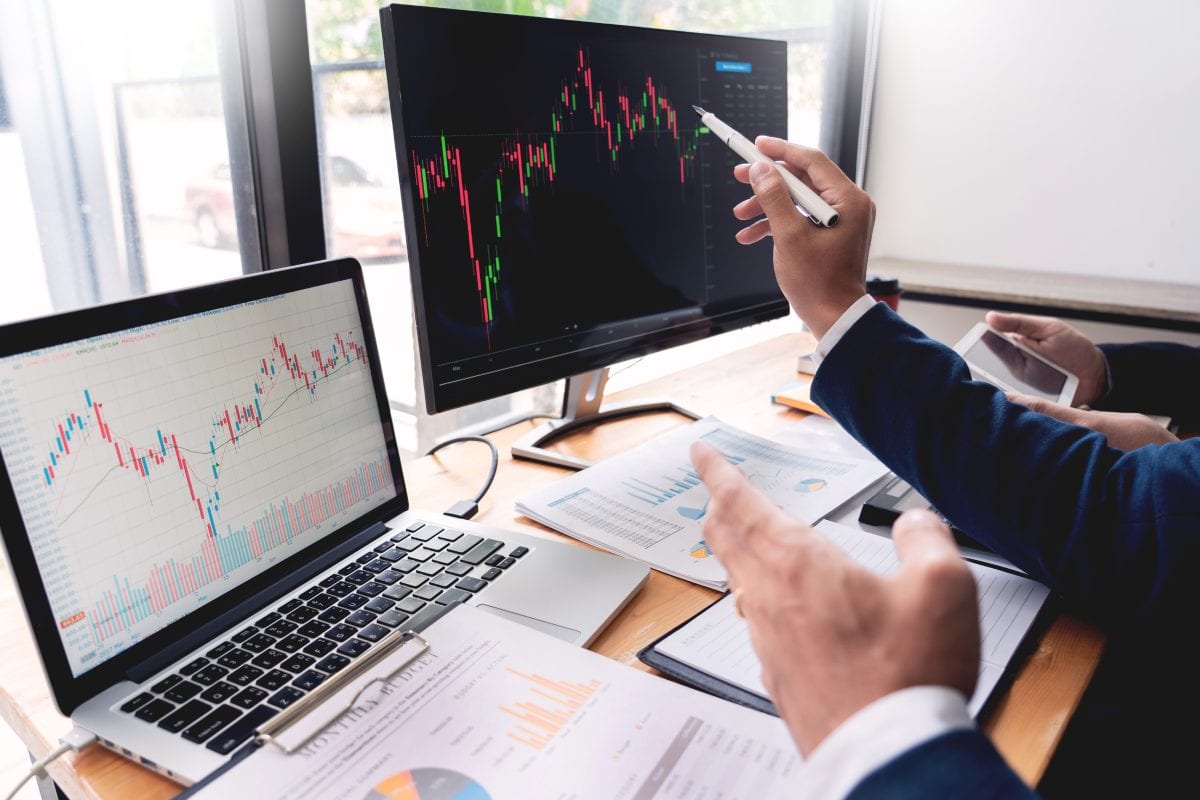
[[273, 146]]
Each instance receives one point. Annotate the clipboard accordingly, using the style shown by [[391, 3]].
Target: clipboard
[[698, 679], [293, 727], [1009, 621]]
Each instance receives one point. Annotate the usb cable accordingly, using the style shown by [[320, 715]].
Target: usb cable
[[74, 740], [465, 509]]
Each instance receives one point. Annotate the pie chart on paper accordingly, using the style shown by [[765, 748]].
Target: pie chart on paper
[[427, 783], [809, 485]]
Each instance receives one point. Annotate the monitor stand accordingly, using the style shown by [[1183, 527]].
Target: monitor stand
[[581, 408]]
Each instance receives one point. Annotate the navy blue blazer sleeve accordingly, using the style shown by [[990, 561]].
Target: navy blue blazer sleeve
[[1153, 378], [957, 764], [1117, 532]]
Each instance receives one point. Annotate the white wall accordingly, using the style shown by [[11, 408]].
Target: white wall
[[1055, 135]]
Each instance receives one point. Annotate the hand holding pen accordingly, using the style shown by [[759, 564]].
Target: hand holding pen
[[822, 271], [809, 202]]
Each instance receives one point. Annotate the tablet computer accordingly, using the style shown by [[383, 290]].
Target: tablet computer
[[997, 359]]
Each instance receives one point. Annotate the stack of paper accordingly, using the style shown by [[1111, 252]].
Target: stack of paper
[[648, 503]]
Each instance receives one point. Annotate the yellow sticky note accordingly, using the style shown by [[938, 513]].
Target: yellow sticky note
[[797, 394]]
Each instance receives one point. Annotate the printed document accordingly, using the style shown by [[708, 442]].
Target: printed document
[[648, 503], [717, 642], [494, 710]]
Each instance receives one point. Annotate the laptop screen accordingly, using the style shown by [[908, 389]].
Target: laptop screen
[[159, 467]]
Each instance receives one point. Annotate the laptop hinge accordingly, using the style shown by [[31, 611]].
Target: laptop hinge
[[144, 669]]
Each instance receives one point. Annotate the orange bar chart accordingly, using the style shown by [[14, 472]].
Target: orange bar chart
[[549, 708]]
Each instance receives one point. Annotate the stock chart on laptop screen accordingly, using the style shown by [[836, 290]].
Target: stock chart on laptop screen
[[159, 467]]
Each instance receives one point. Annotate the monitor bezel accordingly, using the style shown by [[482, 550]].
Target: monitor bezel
[[531, 373], [197, 627]]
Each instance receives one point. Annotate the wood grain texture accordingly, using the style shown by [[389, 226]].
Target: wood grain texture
[[1026, 724]]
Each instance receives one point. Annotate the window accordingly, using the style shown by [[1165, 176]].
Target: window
[[26, 293], [119, 140]]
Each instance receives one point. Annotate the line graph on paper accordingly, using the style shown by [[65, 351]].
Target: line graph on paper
[[159, 467]]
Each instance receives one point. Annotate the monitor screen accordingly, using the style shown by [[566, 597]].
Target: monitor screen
[[564, 207], [158, 467]]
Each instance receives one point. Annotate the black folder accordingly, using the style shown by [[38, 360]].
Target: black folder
[[698, 679]]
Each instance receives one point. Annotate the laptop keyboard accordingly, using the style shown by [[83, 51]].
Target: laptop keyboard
[[220, 698]]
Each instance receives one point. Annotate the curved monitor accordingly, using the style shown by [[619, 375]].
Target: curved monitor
[[564, 207]]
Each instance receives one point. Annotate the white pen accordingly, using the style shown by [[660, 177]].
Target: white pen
[[809, 202]]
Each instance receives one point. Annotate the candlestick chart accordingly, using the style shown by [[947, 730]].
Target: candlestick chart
[[563, 204], [167, 465], [618, 122]]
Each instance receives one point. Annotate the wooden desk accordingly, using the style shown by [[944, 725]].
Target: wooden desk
[[1026, 725]]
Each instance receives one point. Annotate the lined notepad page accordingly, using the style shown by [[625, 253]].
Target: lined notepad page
[[717, 643]]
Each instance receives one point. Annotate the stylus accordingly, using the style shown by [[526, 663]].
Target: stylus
[[809, 202]]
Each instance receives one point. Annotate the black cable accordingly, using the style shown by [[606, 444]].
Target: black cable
[[467, 509]]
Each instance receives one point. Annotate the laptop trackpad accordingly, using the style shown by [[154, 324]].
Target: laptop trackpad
[[557, 631]]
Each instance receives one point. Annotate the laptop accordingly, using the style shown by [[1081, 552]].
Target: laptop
[[204, 509]]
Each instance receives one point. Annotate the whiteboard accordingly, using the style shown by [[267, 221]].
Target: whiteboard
[[1059, 137]]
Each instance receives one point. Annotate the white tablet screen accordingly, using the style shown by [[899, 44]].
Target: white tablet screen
[[1014, 367]]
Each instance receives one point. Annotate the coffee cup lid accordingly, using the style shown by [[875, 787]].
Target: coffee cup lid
[[880, 285]]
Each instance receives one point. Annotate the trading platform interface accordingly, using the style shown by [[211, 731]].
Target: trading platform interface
[[161, 466], [563, 195]]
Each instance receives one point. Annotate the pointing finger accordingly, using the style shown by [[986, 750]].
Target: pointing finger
[[740, 521], [921, 535]]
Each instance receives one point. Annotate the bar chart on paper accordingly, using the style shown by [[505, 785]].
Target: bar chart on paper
[[548, 709], [649, 502], [161, 466]]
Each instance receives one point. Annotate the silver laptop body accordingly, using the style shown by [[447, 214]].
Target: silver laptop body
[[172, 632]]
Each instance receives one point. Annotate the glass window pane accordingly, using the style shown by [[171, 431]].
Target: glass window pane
[[363, 214], [361, 187], [185, 218], [122, 141], [25, 292]]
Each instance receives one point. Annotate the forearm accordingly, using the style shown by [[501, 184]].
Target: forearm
[[1051, 497]]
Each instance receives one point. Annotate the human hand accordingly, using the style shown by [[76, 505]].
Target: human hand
[[821, 271], [832, 636], [1124, 431], [1029, 369], [1062, 344]]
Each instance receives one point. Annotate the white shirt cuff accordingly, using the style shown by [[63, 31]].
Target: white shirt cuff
[[875, 735], [846, 321]]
